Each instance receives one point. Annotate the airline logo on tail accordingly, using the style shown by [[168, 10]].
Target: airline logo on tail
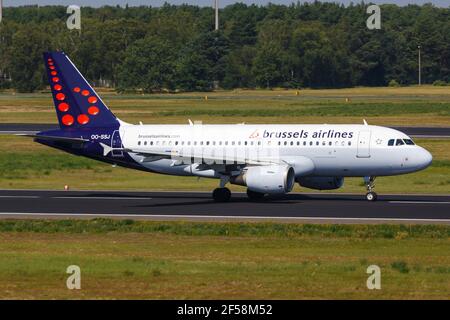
[[76, 102]]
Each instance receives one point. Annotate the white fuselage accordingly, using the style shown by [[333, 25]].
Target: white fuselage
[[312, 150]]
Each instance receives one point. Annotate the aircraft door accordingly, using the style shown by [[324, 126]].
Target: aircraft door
[[363, 144], [116, 143]]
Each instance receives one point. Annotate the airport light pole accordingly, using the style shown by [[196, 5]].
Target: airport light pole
[[420, 66], [216, 28], [216, 8]]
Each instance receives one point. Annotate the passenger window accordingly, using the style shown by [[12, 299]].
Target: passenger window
[[145, 143], [285, 143], [399, 142], [391, 142], [409, 142], [349, 143], [139, 143], [151, 143], [304, 143]]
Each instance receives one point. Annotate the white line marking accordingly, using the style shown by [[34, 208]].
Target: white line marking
[[23, 197], [214, 217], [243, 193], [421, 202], [103, 198]]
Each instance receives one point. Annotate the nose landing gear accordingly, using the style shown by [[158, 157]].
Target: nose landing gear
[[370, 185]]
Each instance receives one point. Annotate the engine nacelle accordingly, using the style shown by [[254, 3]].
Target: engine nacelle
[[321, 183], [267, 179]]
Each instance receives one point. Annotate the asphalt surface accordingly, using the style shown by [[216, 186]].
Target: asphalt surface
[[315, 208], [419, 132]]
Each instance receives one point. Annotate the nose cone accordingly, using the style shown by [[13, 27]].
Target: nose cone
[[422, 158]]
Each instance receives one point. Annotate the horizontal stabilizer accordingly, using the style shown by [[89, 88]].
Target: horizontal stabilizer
[[54, 138], [107, 149]]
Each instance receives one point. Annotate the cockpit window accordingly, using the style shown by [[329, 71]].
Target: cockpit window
[[409, 142], [391, 142], [399, 142]]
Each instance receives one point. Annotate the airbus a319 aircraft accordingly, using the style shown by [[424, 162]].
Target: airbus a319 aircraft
[[267, 159]]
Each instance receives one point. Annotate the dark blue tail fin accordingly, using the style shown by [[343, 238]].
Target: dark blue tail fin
[[77, 104]]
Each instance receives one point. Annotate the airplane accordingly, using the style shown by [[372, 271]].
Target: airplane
[[268, 159]]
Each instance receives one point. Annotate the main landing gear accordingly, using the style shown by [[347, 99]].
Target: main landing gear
[[370, 185], [221, 195]]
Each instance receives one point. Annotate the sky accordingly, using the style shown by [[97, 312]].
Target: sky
[[155, 3]]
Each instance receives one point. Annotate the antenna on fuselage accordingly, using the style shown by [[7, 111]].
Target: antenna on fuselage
[[365, 122]]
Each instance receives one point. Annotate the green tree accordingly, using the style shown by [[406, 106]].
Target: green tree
[[202, 62], [26, 66], [148, 65]]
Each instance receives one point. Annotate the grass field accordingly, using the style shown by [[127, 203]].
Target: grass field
[[156, 260], [384, 106]]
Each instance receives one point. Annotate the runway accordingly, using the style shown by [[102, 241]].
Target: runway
[[417, 132], [198, 206]]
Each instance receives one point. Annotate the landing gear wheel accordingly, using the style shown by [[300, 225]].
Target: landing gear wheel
[[370, 185], [221, 195], [371, 196], [253, 195]]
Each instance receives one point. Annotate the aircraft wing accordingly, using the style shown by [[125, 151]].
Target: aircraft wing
[[179, 158]]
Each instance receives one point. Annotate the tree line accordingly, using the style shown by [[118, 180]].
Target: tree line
[[175, 48]]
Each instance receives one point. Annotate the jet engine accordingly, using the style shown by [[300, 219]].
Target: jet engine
[[266, 179], [321, 183]]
